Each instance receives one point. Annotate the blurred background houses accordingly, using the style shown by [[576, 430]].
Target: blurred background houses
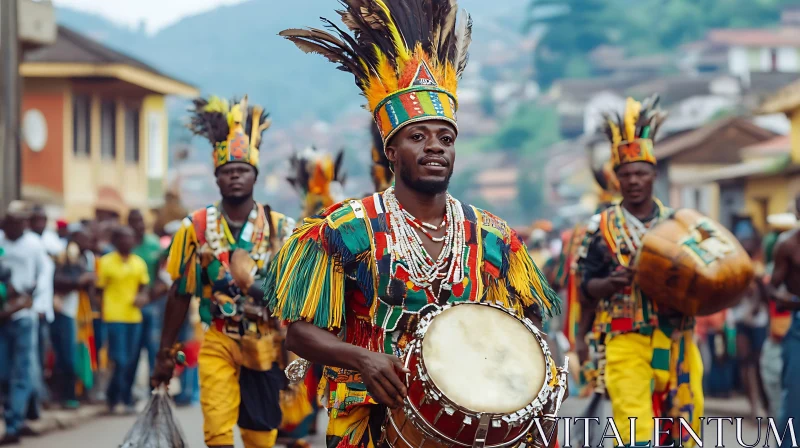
[[102, 103]]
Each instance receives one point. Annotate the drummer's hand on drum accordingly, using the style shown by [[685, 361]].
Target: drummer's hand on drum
[[620, 279], [380, 374]]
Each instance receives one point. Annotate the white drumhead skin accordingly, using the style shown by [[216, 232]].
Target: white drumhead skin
[[484, 359]]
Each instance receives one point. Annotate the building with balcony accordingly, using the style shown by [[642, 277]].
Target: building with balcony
[[94, 128]]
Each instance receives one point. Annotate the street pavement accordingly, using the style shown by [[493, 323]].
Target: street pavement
[[109, 432]]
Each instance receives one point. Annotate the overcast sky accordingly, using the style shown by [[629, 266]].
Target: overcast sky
[[157, 13]]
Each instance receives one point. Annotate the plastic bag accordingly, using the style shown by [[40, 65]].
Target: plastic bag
[[157, 426]]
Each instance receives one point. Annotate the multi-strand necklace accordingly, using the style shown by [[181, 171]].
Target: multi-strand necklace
[[406, 245]]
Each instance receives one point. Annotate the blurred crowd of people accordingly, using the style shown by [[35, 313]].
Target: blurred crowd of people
[[80, 304]]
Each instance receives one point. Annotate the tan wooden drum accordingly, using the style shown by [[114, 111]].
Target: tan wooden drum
[[693, 264], [479, 377]]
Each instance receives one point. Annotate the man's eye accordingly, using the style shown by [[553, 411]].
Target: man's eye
[[417, 137], [447, 139]]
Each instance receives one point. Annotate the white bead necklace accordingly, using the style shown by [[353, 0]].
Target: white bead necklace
[[406, 245]]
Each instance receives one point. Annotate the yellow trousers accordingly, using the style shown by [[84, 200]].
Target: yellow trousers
[[631, 380], [220, 395]]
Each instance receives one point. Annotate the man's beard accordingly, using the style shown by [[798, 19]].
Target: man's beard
[[237, 199], [430, 187]]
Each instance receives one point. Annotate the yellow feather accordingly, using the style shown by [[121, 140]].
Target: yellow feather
[[216, 104], [383, 83], [450, 82], [403, 52], [632, 109], [234, 116], [617, 137]]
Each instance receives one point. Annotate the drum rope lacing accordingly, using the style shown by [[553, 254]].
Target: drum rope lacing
[[406, 245]]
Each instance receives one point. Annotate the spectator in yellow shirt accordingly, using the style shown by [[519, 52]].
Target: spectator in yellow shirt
[[123, 277]]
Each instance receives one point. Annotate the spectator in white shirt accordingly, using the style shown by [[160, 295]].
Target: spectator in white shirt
[[31, 276], [54, 248]]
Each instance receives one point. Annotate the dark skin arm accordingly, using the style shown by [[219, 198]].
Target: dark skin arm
[[599, 288], [378, 371], [780, 274], [174, 314], [16, 302]]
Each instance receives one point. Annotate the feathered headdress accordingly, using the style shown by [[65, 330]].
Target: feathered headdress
[[632, 135], [318, 177], [234, 129], [382, 175], [406, 56], [605, 177]]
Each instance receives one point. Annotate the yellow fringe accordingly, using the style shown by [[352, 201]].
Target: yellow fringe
[[522, 275], [179, 261], [327, 283]]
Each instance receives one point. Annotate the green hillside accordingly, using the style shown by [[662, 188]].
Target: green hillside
[[235, 49]]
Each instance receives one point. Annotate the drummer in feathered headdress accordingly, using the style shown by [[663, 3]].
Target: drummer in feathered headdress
[[339, 275], [220, 254], [638, 350]]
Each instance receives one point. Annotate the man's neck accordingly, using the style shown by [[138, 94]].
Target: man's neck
[[425, 207], [238, 212], [124, 255], [640, 211]]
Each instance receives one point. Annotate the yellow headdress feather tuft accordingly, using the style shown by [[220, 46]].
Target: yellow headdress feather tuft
[[406, 56], [235, 132], [632, 135]]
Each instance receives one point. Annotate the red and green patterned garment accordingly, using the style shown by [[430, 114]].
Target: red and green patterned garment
[[336, 272]]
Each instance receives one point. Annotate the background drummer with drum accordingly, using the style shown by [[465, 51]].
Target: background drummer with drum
[[354, 280], [638, 342]]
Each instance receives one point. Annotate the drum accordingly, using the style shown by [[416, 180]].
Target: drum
[[479, 377], [692, 264]]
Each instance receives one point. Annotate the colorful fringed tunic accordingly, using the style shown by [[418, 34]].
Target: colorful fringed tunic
[[631, 343], [336, 272]]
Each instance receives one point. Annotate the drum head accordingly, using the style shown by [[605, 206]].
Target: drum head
[[483, 359]]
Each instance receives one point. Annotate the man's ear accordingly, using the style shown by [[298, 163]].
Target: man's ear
[[391, 154]]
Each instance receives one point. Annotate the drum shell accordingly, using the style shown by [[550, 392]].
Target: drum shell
[[432, 411], [673, 275]]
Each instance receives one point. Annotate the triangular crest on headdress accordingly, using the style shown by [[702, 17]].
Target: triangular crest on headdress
[[423, 76]]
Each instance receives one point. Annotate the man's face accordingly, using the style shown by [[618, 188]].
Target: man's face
[[83, 240], [236, 181], [124, 240], [38, 222], [636, 182], [136, 222], [424, 155], [14, 227]]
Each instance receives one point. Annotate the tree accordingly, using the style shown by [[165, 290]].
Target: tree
[[530, 196], [530, 128], [572, 29]]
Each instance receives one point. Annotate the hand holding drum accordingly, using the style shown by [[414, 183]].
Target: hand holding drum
[[380, 374], [620, 279]]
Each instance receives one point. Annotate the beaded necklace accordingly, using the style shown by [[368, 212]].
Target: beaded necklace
[[220, 238], [406, 245]]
